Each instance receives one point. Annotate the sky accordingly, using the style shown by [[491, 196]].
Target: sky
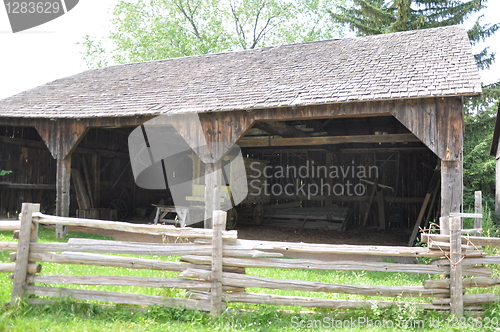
[[45, 53]]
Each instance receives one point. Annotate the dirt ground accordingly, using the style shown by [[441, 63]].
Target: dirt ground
[[285, 234]]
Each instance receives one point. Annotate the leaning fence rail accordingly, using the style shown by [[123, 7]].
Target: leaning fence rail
[[212, 267]]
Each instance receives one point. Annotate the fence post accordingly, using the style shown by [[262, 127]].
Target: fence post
[[218, 223], [478, 208], [22, 253], [456, 289]]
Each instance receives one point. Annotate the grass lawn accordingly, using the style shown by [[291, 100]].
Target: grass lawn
[[91, 316]]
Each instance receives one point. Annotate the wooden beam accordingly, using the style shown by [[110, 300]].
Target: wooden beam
[[325, 140], [41, 145], [385, 150], [63, 193], [279, 128], [62, 136], [213, 180], [451, 189]]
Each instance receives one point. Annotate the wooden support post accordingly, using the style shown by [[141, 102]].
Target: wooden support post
[[25, 235], [219, 223], [63, 193], [416, 228], [456, 288], [478, 208], [451, 189], [213, 179]]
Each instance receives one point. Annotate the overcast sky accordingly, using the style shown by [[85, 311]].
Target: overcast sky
[[48, 52]]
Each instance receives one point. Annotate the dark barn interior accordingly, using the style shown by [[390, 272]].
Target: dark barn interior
[[405, 170]]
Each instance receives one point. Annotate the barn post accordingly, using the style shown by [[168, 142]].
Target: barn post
[[456, 288], [63, 193], [62, 137], [213, 177], [451, 190]]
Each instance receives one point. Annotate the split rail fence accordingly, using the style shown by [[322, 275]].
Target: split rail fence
[[212, 267]]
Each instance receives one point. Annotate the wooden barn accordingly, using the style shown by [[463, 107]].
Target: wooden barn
[[391, 105]]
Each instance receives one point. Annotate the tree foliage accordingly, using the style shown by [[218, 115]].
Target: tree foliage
[[479, 166], [146, 30], [370, 17]]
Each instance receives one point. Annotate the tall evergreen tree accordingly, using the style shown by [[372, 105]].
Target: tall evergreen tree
[[371, 17]]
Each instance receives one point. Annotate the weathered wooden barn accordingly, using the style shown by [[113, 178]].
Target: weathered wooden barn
[[391, 103]]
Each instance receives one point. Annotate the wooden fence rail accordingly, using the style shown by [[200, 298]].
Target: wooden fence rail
[[212, 267]]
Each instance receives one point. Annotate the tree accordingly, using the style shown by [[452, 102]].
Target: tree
[[479, 166], [146, 30], [370, 17]]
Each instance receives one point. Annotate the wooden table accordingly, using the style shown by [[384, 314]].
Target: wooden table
[[163, 210]]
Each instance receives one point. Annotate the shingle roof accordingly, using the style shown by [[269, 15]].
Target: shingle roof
[[413, 64]]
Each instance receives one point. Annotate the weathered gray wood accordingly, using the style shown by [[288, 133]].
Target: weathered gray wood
[[309, 301], [11, 267], [341, 248], [92, 295], [437, 245], [219, 220], [444, 225], [466, 282], [131, 248], [478, 209], [107, 260], [243, 280], [213, 180], [471, 261], [34, 226], [82, 196], [471, 299], [88, 181], [120, 281], [451, 187], [279, 128], [309, 264], [8, 246], [22, 254], [125, 281], [372, 196], [472, 240], [420, 217], [167, 230], [63, 193], [466, 215], [456, 289], [9, 225], [326, 140], [471, 231]]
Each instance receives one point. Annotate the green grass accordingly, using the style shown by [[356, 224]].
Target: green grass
[[92, 316]]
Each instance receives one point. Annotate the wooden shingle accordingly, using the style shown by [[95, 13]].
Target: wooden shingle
[[414, 64]]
